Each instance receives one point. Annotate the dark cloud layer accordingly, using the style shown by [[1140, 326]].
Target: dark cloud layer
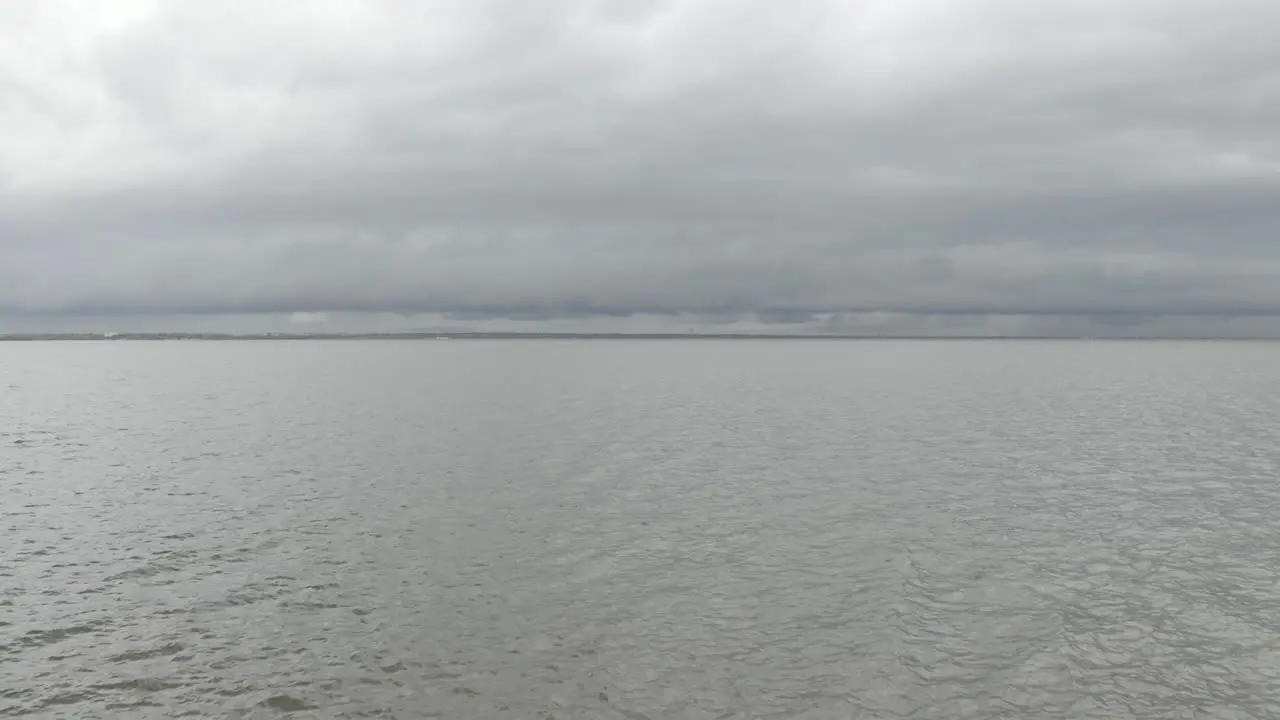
[[801, 163]]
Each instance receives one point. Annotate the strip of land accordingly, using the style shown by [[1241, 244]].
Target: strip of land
[[541, 336]]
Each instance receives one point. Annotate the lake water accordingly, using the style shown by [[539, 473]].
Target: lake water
[[640, 529]]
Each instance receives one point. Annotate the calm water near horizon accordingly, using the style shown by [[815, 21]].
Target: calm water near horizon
[[652, 529]]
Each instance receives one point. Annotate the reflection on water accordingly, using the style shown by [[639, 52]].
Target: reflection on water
[[640, 530]]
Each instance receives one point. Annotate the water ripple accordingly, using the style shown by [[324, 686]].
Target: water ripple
[[641, 530]]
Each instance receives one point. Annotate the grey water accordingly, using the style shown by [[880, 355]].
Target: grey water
[[640, 529]]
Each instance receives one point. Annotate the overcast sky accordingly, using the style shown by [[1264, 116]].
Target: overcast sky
[[1074, 166]]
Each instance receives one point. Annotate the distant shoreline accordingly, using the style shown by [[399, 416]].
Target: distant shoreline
[[422, 336]]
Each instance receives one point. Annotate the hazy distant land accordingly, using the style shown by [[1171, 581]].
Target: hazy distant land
[[17, 337]]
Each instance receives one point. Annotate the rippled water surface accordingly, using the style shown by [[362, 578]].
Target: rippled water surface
[[636, 529]]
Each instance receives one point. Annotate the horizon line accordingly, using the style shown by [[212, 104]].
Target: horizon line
[[525, 335]]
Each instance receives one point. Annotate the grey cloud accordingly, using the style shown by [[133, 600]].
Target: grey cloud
[[606, 160]]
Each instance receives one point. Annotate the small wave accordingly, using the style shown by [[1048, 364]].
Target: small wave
[[38, 638], [133, 705], [285, 703], [163, 650], [146, 571], [74, 697], [142, 684]]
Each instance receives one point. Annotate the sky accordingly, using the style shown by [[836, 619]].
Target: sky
[[1078, 167]]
